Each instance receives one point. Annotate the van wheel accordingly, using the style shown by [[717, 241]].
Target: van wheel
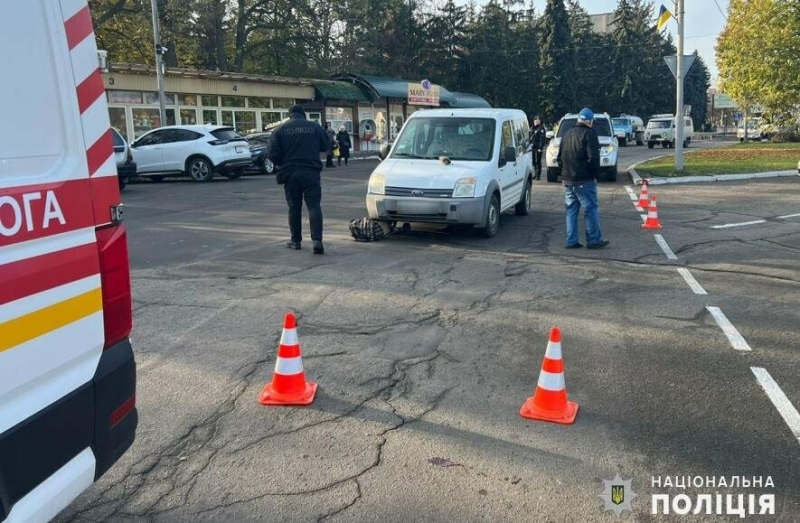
[[665, 145], [686, 143], [491, 222], [650, 145], [552, 175], [524, 206], [199, 169]]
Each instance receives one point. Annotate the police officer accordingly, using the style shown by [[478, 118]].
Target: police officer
[[538, 138], [296, 148], [579, 157]]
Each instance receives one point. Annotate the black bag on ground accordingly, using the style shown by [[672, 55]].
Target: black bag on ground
[[368, 230]]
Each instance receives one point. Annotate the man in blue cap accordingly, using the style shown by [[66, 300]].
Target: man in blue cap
[[579, 158]]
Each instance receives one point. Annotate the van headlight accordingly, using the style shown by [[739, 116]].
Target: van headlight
[[552, 151], [377, 184], [465, 187], [606, 150]]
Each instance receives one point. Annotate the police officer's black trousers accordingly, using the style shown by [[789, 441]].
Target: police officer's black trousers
[[304, 185], [537, 163]]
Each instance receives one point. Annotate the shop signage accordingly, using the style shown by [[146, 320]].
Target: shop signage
[[419, 95]]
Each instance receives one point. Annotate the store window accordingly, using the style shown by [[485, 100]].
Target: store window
[[259, 103], [188, 116], [232, 101], [210, 117], [210, 101], [282, 103], [119, 120], [268, 118], [242, 121], [340, 116], [152, 99], [146, 119], [124, 97], [187, 99]]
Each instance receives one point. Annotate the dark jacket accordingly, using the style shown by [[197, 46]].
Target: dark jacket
[[344, 140], [297, 144], [579, 154], [538, 137]]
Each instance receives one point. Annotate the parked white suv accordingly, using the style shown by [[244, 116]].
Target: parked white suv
[[198, 151], [609, 147]]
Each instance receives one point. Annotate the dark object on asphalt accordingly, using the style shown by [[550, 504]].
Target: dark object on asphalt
[[442, 462], [600, 245], [369, 230], [318, 247]]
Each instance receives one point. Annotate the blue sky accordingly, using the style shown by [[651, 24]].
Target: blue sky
[[704, 21]]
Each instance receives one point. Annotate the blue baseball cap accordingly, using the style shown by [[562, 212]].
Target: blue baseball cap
[[586, 115]]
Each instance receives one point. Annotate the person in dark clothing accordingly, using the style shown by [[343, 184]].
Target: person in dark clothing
[[344, 145], [538, 139], [579, 158], [331, 134], [296, 148]]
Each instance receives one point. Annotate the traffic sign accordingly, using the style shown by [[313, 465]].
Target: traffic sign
[[672, 63]]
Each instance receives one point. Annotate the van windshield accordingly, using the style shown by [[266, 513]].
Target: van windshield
[[619, 122], [659, 124], [457, 138]]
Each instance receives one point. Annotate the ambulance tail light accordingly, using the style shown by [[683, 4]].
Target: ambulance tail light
[[115, 275]]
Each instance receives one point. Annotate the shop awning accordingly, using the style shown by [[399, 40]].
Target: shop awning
[[344, 91], [381, 87], [468, 101]]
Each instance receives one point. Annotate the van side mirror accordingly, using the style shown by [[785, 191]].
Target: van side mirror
[[383, 151], [549, 135], [510, 154]]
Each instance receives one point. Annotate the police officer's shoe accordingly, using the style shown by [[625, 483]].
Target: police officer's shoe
[[318, 248], [293, 245]]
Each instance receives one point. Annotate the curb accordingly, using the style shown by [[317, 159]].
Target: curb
[[637, 180]]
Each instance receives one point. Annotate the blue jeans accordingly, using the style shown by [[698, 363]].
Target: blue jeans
[[577, 196]]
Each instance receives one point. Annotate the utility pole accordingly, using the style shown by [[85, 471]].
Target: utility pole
[[679, 121], [159, 63]]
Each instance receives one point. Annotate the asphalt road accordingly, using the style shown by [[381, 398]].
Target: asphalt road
[[426, 344]]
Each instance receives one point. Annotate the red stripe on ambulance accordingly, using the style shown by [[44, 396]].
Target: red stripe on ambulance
[[99, 152], [78, 27], [34, 275], [90, 90], [30, 212]]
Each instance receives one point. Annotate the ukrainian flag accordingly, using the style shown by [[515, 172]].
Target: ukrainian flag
[[663, 17]]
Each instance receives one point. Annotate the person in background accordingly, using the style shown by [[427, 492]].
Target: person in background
[[538, 140], [296, 148], [579, 158], [331, 140], [344, 145]]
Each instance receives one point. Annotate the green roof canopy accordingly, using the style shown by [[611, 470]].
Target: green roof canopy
[[468, 101], [335, 90]]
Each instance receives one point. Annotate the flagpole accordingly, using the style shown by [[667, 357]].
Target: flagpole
[[679, 120]]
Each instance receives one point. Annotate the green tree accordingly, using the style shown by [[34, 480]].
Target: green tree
[[556, 65], [758, 54], [695, 93]]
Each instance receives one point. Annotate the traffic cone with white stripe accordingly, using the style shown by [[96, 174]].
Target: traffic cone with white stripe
[[549, 402], [644, 197], [288, 385], [652, 216]]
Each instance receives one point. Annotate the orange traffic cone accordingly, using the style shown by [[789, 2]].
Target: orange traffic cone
[[652, 216], [288, 385], [549, 402], [644, 197]]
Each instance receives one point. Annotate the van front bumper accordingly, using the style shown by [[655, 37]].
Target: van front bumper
[[427, 210]]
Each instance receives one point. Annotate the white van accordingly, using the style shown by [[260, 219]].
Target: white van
[[67, 373], [455, 166], [661, 130]]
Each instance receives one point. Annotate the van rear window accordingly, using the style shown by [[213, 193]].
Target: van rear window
[[457, 138]]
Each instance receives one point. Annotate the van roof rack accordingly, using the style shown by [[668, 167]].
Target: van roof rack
[[665, 115]]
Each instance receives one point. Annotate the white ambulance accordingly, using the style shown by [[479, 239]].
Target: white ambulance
[[67, 373]]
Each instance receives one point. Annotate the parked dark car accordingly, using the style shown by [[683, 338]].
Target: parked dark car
[[126, 167], [259, 151]]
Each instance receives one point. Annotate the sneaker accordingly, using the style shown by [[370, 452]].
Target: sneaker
[[574, 246], [293, 245], [318, 248], [598, 245]]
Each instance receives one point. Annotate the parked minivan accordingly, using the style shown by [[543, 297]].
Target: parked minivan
[[661, 130], [455, 166], [67, 372]]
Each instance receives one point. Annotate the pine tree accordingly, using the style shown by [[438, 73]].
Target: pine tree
[[556, 65]]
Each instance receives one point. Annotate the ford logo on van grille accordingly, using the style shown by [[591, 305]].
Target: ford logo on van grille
[[417, 192]]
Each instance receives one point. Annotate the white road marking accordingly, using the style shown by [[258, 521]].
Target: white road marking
[[736, 339], [779, 399], [696, 287], [727, 225], [664, 247], [789, 216], [644, 217], [632, 193]]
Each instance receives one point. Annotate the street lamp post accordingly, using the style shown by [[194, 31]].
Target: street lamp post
[[159, 63], [679, 120]]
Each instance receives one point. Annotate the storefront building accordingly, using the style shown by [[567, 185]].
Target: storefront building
[[372, 109]]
